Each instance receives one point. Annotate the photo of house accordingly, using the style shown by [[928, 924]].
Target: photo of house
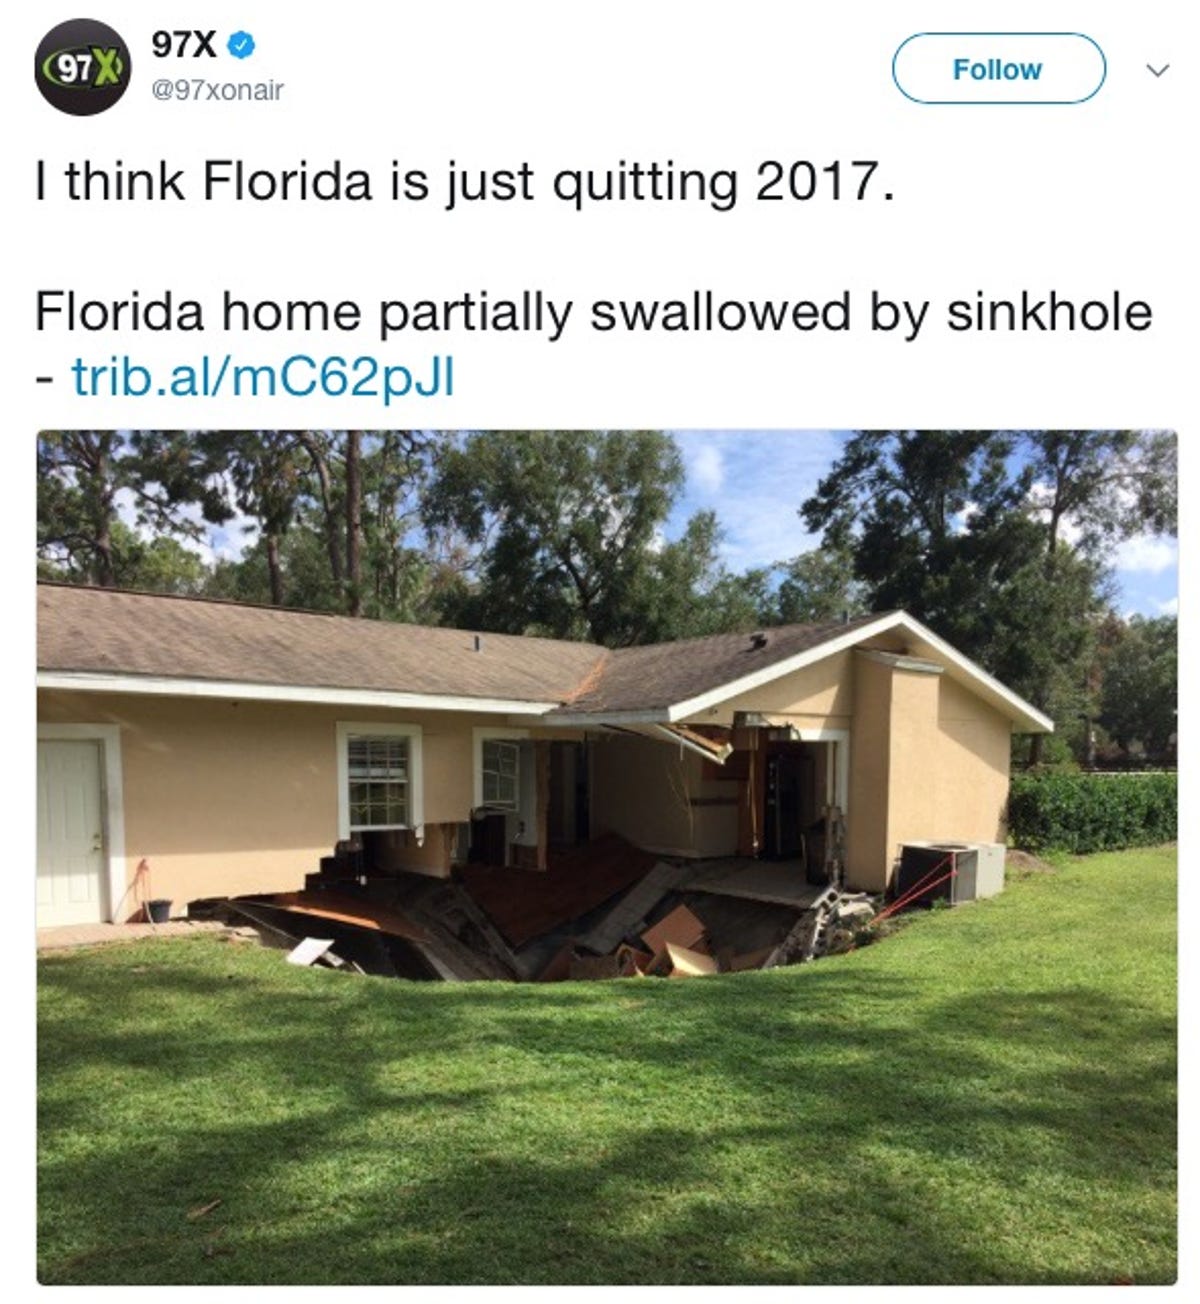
[[229, 747]]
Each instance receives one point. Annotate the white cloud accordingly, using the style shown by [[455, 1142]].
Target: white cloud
[[706, 468], [960, 520], [1168, 606], [755, 480], [1147, 553]]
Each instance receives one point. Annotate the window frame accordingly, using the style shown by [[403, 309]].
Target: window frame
[[353, 729], [496, 735], [509, 806]]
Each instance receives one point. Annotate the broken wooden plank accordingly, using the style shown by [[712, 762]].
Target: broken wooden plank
[[462, 903], [634, 907]]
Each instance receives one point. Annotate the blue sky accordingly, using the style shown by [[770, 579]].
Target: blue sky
[[756, 480]]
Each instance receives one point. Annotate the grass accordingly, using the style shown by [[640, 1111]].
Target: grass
[[988, 1096]]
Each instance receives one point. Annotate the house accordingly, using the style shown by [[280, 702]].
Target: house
[[193, 748]]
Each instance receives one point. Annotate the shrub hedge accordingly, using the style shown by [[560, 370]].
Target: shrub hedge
[[1092, 812]]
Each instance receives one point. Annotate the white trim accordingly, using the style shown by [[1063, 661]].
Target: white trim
[[112, 798], [347, 729], [839, 761], [87, 682], [479, 736]]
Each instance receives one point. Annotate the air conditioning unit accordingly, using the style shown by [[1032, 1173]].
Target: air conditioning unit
[[968, 871]]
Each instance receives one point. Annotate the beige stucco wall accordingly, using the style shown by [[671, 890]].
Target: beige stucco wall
[[929, 760], [821, 693], [973, 767], [870, 773], [915, 804], [225, 797]]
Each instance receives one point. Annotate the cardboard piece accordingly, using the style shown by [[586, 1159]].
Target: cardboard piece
[[689, 964], [680, 927]]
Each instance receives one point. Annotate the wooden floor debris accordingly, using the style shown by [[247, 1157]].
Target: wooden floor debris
[[602, 911], [630, 913], [359, 913], [527, 903]]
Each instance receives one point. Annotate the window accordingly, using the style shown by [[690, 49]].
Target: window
[[379, 777], [501, 767], [378, 774]]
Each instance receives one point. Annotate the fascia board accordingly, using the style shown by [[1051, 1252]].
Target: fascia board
[[87, 682]]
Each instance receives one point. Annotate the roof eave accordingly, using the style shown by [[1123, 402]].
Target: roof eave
[[316, 694]]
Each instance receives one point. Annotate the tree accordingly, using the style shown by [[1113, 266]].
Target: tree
[[1108, 484], [818, 586], [967, 531], [77, 484], [354, 495], [567, 527], [1140, 686], [87, 478], [157, 565]]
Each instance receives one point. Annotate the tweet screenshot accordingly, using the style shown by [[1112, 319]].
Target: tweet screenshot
[[606, 640]]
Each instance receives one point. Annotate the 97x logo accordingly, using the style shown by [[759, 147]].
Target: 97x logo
[[82, 67]]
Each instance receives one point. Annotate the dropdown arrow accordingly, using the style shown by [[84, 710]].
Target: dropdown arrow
[[1158, 72]]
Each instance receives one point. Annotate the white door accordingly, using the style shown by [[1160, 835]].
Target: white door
[[70, 853]]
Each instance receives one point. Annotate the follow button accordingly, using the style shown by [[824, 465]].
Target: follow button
[[999, 67]]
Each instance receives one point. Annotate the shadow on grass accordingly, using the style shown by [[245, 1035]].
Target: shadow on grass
[[785, 1127]]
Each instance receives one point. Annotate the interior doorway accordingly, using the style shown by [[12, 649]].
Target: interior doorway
[[569, 816], [796, 794]]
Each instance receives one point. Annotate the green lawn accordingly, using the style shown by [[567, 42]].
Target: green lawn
[[988, 1096]]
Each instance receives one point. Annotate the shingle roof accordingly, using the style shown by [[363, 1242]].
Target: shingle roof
[[114, 632], [662, 674], [105, 631]]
